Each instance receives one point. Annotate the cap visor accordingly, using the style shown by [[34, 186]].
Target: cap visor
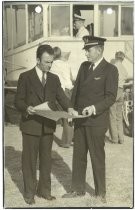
[[89, 46]]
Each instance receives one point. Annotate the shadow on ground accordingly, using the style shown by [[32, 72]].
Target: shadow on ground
[[63, 174], [13, 165], [57, 140], [60, 170]]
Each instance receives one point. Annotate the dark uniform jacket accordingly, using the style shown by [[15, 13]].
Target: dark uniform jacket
[[98, 88], [30, 92]]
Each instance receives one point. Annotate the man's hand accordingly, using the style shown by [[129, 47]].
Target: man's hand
[[31, 110], [71, 111], [70, 122], [88, 111]]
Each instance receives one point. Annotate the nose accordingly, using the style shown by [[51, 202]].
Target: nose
[[86, 53], [49, 65]]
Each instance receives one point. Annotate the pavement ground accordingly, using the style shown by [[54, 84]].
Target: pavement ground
[[119, 174]]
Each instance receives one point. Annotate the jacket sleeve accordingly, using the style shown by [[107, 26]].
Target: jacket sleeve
[[20, 98], [111, 87], [62, 99], [75, 89]]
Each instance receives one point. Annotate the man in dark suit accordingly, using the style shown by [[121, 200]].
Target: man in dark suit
[[94, 92], [35, 87]]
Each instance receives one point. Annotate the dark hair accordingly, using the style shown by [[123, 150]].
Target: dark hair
[[120, 55], [57, 52], [44, 48]]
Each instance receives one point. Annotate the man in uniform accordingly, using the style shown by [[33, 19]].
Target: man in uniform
[[94, 92], [79, 26]]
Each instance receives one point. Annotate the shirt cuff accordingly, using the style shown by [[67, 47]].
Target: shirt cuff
[[94, 109]]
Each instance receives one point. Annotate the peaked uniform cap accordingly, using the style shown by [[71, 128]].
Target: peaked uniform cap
[[91, 41], [78, 17]]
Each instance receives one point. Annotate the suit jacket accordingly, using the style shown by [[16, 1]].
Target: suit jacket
[[99, 88], [30, 92]]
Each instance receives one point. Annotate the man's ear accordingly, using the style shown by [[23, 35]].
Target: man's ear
[[99, 50], [38, 61]]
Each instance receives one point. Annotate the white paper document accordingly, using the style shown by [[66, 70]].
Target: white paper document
[[44, 111], [43, 106]]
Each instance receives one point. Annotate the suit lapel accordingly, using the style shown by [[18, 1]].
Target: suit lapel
[[97, 71], [100, 68], [37, 86]]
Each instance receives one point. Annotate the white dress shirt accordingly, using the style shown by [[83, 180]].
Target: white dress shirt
[[123, 75], [82, 32], [40, 74], [63, 71], [95, 65]]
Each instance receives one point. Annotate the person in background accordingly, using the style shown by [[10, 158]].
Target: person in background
[[63, 71], [35, 87], [94, 92], [79, 26], [116, 119]]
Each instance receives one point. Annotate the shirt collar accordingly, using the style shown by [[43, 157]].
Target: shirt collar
[[39, 73], [96, 64], [38, 70]]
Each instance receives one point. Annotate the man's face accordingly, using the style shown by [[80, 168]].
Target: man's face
[[93, 54], [46, 62], [77, 24]]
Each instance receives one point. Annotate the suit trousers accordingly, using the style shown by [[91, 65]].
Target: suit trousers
[[89, 139], [32, 146]]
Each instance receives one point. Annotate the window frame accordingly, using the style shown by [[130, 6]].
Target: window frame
[[15, 50], [70, 38], [125, 36], [5, 24], [24, 42], [120, 5], [50, 26], [111, 37], [27, 20]]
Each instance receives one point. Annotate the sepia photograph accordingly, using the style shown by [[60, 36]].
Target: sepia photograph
[[68, 104]]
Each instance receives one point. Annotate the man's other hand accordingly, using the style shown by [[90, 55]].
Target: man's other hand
[[73, 112], [31, 110]]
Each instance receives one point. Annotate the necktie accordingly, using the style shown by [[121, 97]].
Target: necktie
[[91, 67], [43, 79]]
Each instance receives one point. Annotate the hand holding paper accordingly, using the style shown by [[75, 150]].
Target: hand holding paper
[[73, 112], [44, 111], [31, 110], [88, 111]]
